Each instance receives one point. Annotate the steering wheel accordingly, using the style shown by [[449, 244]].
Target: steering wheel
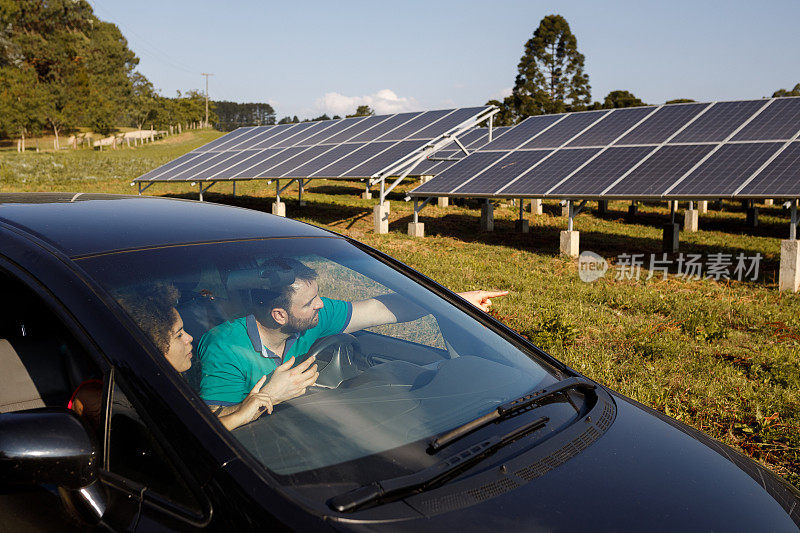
[[335, 359]]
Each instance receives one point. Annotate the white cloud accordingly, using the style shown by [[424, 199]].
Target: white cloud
[[502, 93], [384, 102]]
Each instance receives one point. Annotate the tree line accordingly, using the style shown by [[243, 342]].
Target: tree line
[[551, 79], [61, 68]]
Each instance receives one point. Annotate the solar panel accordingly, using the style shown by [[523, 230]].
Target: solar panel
[[781, 177], [565, 129], [385, 127], [284, 133], [611, 127], [502, 172], [163, 169], [549, 172], [233, 159], [305, 155], [445, 124], [325, 155], [352, 159], [523, 132], [358, 128], [660, 170], [384, 159], [719, 121], [452, 178], [263, 135], [198, 165], [412, 126], [663, 123], [238, 168], [725, 170], [228, 137], [274, 157], [779, 121], [301, 138], [602, 171]]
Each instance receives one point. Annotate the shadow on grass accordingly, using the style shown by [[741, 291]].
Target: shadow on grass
[[318, 212]]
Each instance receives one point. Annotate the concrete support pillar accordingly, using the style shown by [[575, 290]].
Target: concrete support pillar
[[380, 216], [487, 217], [768, 202], [536, 206], [366, 195], [425, 179], [602, 207], [522, 226], [690, 220], [416, 229], [752, 217], [279, 208], [671, 238], [443, 201], [789, 275], [565, 210], [569, 244], [702, 207], [388, 206]]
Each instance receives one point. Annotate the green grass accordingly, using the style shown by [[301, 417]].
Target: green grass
[[723, 357]]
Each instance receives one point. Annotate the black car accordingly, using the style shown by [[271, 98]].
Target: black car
[[448, 421]]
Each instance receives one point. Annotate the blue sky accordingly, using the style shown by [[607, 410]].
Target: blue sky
[[312, 57]]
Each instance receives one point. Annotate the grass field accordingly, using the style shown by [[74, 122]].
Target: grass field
[[721, 356]]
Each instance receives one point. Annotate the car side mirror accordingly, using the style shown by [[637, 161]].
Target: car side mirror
[[51, 446]]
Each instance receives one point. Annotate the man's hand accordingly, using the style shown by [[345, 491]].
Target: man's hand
[[287, 382], [481, 299]]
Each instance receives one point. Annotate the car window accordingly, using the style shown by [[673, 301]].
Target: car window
[[134, 453], [41, 362], [383, 389]]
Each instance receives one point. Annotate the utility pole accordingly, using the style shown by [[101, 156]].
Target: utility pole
[[206, 75]]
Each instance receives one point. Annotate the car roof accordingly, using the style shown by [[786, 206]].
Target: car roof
[[85, 224]]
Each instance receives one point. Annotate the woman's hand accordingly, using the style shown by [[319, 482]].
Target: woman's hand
[[253, 406], [287, 382]]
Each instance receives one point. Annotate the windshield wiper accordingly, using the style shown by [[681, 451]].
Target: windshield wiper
[[430, 476], [509, 409]]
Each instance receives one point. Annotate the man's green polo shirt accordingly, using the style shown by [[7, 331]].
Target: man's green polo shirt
[[233, 358]]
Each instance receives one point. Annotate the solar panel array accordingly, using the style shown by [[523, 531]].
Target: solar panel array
[[472, 140], [743, 149], [358, 147]]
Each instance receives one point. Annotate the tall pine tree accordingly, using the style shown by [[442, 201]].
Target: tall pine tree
[[550, 75]]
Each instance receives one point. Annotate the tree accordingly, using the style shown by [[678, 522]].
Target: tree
[[550, 75], [321, 117], [618, 99], [680, 101], [22, 102], [144, 101], [505, 117], [784, 92], [234, 115], [362, 111]]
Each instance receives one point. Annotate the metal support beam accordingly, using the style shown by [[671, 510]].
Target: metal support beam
[[463, 148], [672, 211], [491, 127], [277, 191], [142, 189], [571, 215], [234, 188], [521, 203], [205, 189], [419, 207], [793, 223], [691, 205]]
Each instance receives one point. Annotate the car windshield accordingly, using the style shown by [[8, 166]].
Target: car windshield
[[382, 394]]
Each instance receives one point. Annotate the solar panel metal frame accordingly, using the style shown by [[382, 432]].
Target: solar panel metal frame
[[670, 140]]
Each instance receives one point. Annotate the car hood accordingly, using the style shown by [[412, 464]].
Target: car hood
[[647, 471]]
